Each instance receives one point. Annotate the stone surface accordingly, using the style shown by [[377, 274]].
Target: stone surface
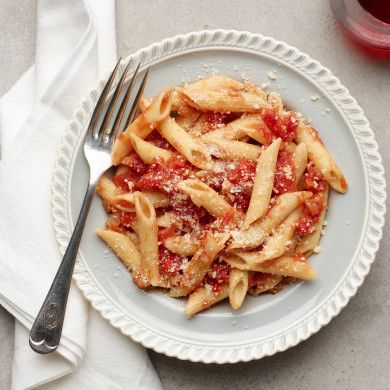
[[352, 351]]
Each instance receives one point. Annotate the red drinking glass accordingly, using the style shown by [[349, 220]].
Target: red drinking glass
[[367, 22]]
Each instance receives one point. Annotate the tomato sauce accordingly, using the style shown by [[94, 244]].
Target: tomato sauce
[[311, 212], [242, 175], [243, 171], [170, 263], [267, 134], [281, 125], [135, 163], [285, 179], [314, 180], [191, 215], [162, 175], [217, 276], [218, 118], [125, 218], [156, 139], [126, 180]]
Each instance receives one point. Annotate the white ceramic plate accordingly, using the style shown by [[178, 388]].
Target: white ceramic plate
[[265, 324]]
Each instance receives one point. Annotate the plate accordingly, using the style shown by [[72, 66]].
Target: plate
[[265, 324]]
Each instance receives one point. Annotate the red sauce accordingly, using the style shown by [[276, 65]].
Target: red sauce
[[242, 176], [170, 263], [162, 175], [305, 226], [267, 134], [123, 179], [156, 139], [217, 276], [244, 171], [219, 118], [126, 218], [227, 221], [124, 203], [281, 125], [242, 198], [285, 173], [314, 180], [311, 211], [135, 163], [191, 215]]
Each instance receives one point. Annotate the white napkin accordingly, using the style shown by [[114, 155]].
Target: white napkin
[[75, 47]]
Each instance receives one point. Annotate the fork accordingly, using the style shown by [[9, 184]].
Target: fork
[[46, 331]]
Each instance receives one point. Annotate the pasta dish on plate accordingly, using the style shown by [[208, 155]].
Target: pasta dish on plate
[[219, 191]]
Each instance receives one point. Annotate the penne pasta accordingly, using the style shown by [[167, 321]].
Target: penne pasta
[[158, 110], [147, 151], [300, 161], [200, 263], [125, 202], [263, 282], [276, 244], [262, 188], [238, 286], [231, 150], [283, 266], [144, 103], [200, 127], [256, 234], [167, 219], [192, 150], [123, 247], [203, 195], [120, 169], [321, 157], [107, 189], [185, 245], [148, 241], [215, 83], [251, 125], [203, 298], [187, 118], [178, 101], [276, 101], [223, 101]]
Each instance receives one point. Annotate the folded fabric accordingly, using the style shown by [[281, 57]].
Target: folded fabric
[[75, 48]]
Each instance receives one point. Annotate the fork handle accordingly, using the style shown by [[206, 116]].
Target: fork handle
[[46, 331]]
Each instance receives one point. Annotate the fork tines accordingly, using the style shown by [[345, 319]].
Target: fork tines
[[106, 134]]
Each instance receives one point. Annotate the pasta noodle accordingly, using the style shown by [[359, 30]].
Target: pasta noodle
[[262, 188], [238, 286], [193, 151]]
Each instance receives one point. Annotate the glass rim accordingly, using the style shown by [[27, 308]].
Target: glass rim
[[364, 27]]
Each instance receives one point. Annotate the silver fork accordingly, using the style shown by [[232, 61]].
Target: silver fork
[[46, 331]]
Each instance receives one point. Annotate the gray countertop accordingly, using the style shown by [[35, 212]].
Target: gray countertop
[[352, 352]]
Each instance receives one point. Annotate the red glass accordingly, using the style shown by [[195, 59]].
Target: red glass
[[380, 9], [367, 22]]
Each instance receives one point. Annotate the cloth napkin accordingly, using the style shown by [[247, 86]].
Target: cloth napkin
[[75, 48]]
